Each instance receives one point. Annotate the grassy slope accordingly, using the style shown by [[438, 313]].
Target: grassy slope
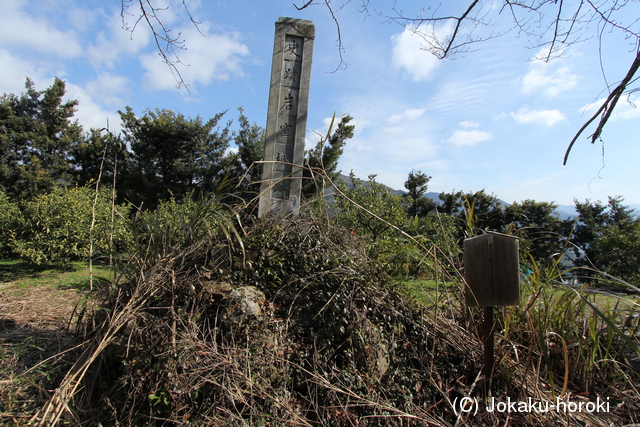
[[37, 304]]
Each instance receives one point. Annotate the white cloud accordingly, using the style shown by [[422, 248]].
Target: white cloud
[[359, 124], [409, 53], [84, 19], [90, 114], [592, 107], [230, 150], [468, 138], [25, 31], [313, 137], [115, 42], [14, 72], [109, 88], [466, 124], [214, 56], [548, 79], [538, 117], [390, 152], [626, 108], [406, 115]]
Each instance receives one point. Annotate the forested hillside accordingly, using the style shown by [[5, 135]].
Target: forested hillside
[[49, 162]]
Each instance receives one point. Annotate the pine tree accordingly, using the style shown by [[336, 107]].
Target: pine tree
[[36, 134], [172, 155], [325, 156]]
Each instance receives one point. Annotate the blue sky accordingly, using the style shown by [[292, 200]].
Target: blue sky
[[491, 119]]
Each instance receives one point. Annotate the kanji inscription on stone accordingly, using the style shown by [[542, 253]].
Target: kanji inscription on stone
[[287, 117]]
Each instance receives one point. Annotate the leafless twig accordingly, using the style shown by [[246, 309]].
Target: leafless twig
[[167, 44]]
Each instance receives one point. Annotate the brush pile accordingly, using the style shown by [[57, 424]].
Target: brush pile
[[296, 326]]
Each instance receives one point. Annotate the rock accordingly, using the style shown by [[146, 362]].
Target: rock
[[245, 302]]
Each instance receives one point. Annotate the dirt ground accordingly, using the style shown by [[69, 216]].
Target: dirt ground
[[36, 329], [39, 307]]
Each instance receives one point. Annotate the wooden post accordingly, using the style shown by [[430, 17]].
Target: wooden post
[[488, 339], [492, 275]]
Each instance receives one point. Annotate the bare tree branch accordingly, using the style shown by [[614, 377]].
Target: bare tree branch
[[458, 25], [553, 24], [341, 49], [167, 45], [306, 5], [607, 107]]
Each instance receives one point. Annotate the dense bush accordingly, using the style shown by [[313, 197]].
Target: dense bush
[[177, 224], [56, 227], [404, 246], [329, 342], [377, 200], [9, 216]]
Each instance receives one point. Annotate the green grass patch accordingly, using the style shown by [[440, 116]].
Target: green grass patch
[[428, 292], [21, 275]]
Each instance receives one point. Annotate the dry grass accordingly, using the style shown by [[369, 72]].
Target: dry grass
[[333, 345], [35, 337]]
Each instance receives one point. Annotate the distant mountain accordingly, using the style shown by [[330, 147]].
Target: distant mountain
[[566, 211], [569, 211], [563, 211], [347, 180]]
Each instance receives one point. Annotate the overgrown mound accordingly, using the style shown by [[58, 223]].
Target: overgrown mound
[[298, 327]]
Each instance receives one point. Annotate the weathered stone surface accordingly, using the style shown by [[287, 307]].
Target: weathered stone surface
[[372, 353], [287, 117], [245, 302]]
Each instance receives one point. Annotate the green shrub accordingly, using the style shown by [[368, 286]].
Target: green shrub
[[363, 207], [55, 227], [9, 216], [174, 225]]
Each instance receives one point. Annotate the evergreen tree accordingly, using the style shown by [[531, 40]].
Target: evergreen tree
[[537, 225], [36, 134], [607, 237], [375, 198], [173, 154], [450, 203], [87, 158], [325, 156], [250, 142], [416, 184]]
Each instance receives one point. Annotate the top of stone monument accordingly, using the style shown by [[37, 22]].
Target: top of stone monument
[[295, 20]]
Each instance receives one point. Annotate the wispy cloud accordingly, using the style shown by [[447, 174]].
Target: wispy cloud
[[626, 108], [538, 117], [468, 138], [108, 88], [14, 71], [114, 43], [26, 31], [548, 79], [409, 54], [90, 114], [466, 124], [313, 137], [406, 115], [455, 97], [207, 58]]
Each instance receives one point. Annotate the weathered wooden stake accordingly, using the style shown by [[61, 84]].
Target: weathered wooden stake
[[488, 339], [492, 273]]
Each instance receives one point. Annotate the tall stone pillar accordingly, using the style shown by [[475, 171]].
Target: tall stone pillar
[[287, 117]]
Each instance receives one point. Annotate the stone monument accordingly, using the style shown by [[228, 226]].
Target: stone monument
[[287, 118]]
